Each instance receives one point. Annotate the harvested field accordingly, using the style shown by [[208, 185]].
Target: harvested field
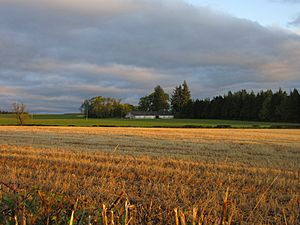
[[158, 170]]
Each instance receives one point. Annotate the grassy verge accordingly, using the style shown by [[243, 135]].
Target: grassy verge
[[78, 120]]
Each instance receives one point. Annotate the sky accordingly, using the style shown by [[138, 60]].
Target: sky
[[56, 53], [266, 12]]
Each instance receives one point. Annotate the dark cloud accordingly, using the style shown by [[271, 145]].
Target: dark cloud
[[56, 53]]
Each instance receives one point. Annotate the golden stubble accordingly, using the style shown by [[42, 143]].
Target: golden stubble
[[156, 185], [272, 136]]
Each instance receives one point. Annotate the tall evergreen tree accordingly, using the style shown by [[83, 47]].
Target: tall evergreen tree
[[265, 111], [216, 106], [290, 107], [176, 99], [276, 101], [186, 94], [181, 100], [248, 102]]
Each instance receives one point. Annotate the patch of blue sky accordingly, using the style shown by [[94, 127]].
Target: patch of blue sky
[[266, 12]]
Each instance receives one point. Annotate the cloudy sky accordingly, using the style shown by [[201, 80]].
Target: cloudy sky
[[56, 53]]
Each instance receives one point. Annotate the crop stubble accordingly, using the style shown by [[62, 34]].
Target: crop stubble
[[161, 169]]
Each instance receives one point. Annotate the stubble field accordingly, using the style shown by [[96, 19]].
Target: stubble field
[[229, 176]]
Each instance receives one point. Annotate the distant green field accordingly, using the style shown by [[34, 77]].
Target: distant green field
[[79, 120]]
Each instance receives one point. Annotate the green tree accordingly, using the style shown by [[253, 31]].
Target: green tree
[[176, 99], [156, 101], [181, 101], [101, 107], [146, 103], [276, 101], [160, 99], [248, 106], [290, 107], [188, 111], [85, 108], [185, 94], [126, 108], [265, 111], [216, 107]]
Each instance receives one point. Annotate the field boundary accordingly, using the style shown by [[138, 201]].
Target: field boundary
[[188, 126]]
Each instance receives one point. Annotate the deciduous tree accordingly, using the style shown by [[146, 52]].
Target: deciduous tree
[[160, 99], [156, 101], [101, 107], [20, 112]]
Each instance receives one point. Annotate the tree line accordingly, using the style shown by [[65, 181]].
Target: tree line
[[279, 106], [102, 107], [5, 112]]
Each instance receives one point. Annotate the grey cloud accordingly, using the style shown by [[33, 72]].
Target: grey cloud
[[296, 21], [65, 51]]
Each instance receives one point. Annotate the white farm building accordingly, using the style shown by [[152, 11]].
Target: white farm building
[[149, 115]]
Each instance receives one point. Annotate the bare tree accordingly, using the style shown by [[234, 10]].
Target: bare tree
[[19, 109]]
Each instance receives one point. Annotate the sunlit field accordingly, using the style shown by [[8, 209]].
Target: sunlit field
[[97, 175]]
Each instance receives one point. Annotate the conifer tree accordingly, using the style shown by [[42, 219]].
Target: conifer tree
[[176, 99], [185, 94], [181, 100]]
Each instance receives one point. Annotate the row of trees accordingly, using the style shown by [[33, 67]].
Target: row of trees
[[242, 105], [278, 106], [159, 100], [101, 107], [4, 112], [267, 105]]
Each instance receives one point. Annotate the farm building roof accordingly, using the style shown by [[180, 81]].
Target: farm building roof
[[151, 113]]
